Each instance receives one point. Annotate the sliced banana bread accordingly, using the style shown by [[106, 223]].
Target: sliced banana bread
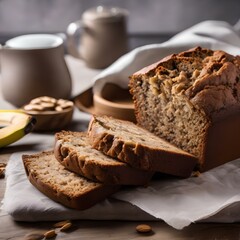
[[138, 147], [192, 100], [73, 151], [61, 185]]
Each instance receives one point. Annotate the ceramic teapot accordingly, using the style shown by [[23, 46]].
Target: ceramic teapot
[[103, 36], [33, 65]]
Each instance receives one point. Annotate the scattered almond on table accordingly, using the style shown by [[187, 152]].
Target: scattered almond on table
[[143, 228], [62, 226], [61, 223], [66, 227], [50, 234]]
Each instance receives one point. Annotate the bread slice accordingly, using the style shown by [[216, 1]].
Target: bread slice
[[61, 185], [73, 151], [138, 147]]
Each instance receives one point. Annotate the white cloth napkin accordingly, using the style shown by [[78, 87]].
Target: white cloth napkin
[[216, 35], [214, 196], [181, 202]]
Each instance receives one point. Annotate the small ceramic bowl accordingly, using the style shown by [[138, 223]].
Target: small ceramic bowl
[[114, 101], [50, 119]]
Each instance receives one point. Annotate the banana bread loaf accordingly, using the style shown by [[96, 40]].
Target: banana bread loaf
[[138, 147], [61, 185], [74, 152], [192, 100]]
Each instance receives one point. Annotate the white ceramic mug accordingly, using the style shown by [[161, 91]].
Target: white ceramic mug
[[103, 36], [33, 65]]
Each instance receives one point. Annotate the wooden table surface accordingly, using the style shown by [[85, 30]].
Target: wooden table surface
[[9, 229]]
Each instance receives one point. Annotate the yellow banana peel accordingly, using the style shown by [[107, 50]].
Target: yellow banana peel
[[14, 124]]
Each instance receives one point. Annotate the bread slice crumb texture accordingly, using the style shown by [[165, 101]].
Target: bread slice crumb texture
[[61, 185], [47, 169], [130, 133], [78, 142], [73, 151]]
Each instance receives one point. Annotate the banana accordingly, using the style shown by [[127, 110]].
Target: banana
[[14, 124]]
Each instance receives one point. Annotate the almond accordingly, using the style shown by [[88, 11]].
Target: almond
[[65, 227], [61, 223], [58, 108], [143, 228], [50, 234], [33, 107]]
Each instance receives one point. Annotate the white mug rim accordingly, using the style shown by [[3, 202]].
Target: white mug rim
[[34, 41]]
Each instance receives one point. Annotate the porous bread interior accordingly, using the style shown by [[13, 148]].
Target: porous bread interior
[[132, 134], [77, 142], [50, 172], [163, 107]]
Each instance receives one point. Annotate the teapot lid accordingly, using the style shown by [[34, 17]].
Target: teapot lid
[[104, 13]]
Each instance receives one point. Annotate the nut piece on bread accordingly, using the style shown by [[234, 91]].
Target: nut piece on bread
[[73, 151], [138, 147], [192, 100], [61, 185]]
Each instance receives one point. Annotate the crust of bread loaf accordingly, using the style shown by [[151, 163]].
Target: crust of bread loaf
[[216, 104], [169, 160], [79, 201], [111, 172]]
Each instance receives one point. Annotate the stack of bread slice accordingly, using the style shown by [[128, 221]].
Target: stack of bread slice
[[86, 167]]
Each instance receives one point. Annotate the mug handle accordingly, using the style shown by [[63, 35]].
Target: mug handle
[[72, 29]]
